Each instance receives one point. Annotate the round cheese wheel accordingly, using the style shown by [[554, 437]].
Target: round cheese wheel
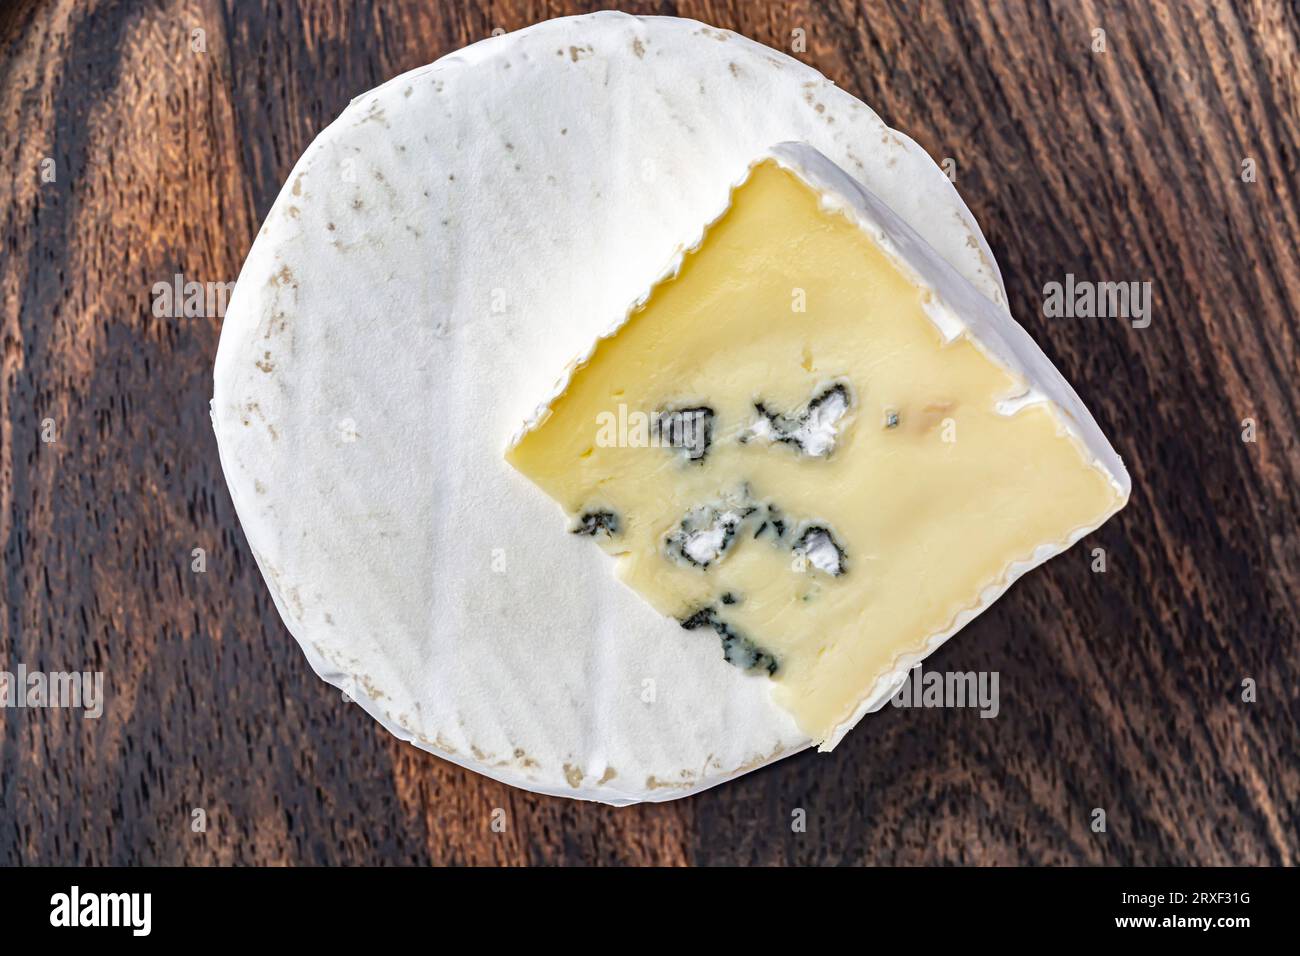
[[436, 257]]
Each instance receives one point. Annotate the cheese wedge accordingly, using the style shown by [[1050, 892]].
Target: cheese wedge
[[437, 254], [818, 446]]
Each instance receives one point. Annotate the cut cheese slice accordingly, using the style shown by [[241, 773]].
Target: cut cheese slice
[[817, 445]]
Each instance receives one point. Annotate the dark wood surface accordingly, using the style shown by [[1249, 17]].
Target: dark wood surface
[[1120, 691]]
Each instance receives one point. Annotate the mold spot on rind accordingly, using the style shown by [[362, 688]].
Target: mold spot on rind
[[812, 430], [593, 523], [689, 429], [737, 650], [701, 618], [706, 533], [818, 546], [772, 524]]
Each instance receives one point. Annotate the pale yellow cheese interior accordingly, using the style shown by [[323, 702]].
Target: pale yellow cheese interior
[[781, 299]]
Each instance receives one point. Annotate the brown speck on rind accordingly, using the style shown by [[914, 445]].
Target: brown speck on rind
[[607, 776], [564, 131], [638, 48], [577, 52], [735, 70], [573, 775], [259, 487], [408, 91], [372, 688], [265, 363], [294, 599], [759, 761], [357, 203], [654, 783], [297, 185], [329, 226], [374, 114]]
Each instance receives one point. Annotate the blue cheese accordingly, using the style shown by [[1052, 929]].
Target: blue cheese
[[891, 480]]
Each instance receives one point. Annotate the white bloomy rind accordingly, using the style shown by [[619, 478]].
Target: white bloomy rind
[[958, 311]]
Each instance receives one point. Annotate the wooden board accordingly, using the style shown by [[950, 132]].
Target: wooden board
[[1119, 690]]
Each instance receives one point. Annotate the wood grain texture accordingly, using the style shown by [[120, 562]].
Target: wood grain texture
[[1119, 690]]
